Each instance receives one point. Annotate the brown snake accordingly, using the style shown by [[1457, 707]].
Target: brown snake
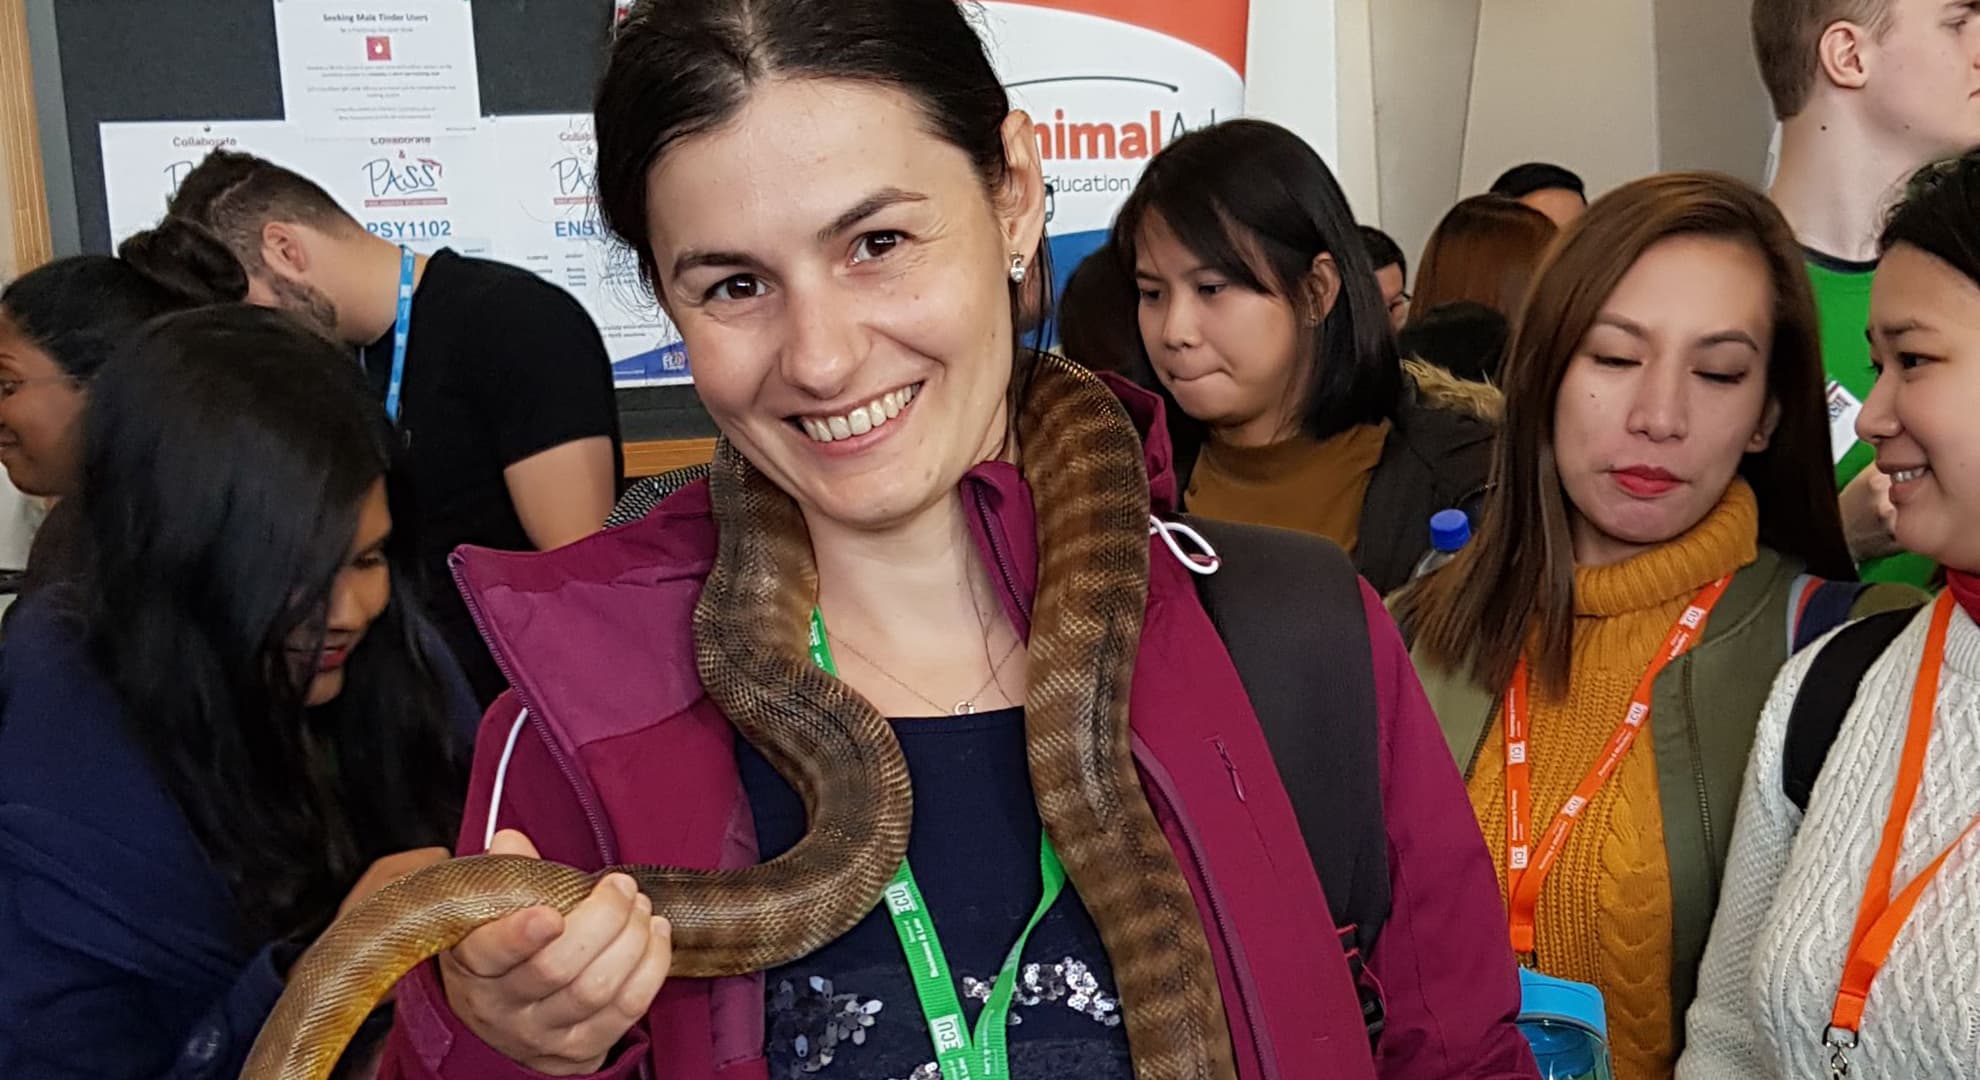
[[1083, 462]]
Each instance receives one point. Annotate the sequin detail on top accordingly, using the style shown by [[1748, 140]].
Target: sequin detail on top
[[975, 855], [818, 1023], [814, 1021]]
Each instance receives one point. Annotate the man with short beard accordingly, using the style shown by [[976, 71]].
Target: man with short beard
[[497, 381]]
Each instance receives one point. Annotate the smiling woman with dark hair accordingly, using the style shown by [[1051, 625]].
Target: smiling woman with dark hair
[[224, 724], [59, 324], [928, 633], [1848, 928]]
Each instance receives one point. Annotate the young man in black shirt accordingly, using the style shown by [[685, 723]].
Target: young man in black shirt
[[504, 402]]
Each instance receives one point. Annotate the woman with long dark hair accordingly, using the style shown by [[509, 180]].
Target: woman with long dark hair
[[223, 724], [1848, 933], [1662, 483], [836, 203], [1263, 322]]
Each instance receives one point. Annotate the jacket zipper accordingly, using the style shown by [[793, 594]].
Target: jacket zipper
[[1698, 785], [1484, 735], [1237, 782], [997, 553], [537, 717], [1261, 1047]]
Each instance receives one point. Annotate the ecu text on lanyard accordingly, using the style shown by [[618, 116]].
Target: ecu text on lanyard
[[961, 1055], [401, 333], [1527, 867], [1881, 915]]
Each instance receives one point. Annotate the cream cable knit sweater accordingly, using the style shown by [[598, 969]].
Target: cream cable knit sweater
[[1793, 886]]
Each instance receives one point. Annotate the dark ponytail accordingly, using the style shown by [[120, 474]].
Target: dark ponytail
[[79, 309], [185, 259]]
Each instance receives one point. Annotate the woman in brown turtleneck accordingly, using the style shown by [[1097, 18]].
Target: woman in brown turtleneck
[[1260, 320]]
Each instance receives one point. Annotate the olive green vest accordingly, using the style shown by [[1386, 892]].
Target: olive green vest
[[1704, 709]]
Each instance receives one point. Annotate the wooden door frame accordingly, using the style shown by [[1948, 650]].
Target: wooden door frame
[[23, 190]]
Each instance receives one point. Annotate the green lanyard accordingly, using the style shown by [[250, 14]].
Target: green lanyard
[[961, 1056]]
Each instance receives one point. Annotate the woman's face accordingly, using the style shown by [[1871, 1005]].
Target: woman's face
[[1229, 354], [40, 416], [357, 597], [841, 279], [1665, 395], [1925, 341]]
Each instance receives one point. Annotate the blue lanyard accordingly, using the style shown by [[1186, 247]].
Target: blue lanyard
[[401, 331]]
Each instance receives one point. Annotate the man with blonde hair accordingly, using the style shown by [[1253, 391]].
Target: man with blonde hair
[[1867, 92]]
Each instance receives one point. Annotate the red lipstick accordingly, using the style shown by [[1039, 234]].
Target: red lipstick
[[1645, 481]]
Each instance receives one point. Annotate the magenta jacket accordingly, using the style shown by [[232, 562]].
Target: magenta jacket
[[608, 751]]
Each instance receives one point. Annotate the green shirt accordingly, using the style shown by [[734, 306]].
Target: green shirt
[[1842, 299]]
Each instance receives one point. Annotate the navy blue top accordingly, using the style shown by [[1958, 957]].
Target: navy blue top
[[120, 950], [849, 1010]]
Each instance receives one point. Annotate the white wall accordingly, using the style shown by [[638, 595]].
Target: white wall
[[1436, 97], [1712, 105], [1570, 81], [1423, 72], [1358, 160], [1288, 64]]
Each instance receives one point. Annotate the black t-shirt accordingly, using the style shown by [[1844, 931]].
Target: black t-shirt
[[500, 366], [849, 1010]]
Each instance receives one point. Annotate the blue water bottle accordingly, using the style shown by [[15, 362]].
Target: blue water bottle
[[1450, 530], [1566, 1025]]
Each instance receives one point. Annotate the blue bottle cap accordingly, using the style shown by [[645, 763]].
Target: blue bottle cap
[[1543, 997], [1449, 530]]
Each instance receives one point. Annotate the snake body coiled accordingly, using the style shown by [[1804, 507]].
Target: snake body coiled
[[1082, 459]]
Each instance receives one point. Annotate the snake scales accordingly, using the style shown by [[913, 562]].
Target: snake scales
[[1082, 459]]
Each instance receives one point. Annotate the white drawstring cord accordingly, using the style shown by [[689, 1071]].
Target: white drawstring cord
[[1209, 562], [501, 777]]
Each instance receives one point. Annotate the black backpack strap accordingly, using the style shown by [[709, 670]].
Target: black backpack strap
[[1288, 607], [1826, 694]]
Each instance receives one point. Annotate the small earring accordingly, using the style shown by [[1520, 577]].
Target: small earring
[[1018, 269]]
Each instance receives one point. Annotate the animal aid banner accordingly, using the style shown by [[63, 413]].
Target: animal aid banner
[[1109, 83]]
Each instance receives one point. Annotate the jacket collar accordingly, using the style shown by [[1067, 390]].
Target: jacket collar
[[568, 610]]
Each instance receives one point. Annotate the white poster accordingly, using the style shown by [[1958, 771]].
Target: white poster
[[1108, 85], [143, 163], [423, 191], [353, 67], [549, 223]]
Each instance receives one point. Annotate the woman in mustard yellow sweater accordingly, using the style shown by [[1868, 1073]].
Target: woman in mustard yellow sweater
[[1599, 654]]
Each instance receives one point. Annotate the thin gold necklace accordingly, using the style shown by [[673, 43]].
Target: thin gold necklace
[[968, 705], [960, 708]]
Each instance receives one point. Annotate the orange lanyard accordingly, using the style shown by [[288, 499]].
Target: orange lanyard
[[1527, 868], [1881, 916]]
